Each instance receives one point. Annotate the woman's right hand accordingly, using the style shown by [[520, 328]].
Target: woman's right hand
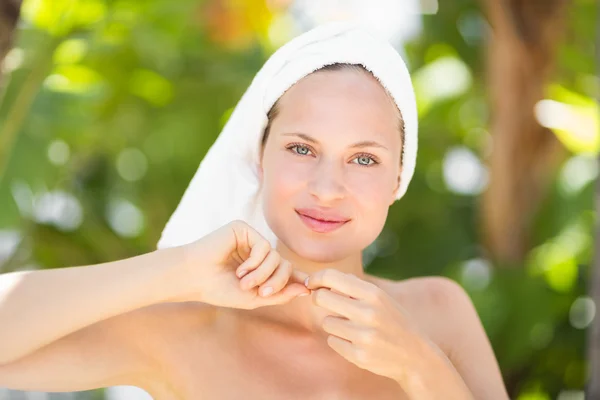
[[234, 266]]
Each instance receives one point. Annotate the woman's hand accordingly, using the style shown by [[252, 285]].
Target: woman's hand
[[370, 329], [236, 267]]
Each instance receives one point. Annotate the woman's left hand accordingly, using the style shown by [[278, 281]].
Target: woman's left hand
[[370, 329]]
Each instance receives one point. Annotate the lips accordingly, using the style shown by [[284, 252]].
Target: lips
[[321, 221]]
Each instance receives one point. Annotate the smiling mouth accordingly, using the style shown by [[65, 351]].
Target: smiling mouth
[[319, 225]]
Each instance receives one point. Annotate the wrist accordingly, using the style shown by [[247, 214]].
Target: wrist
[[170, 265], [433, 376]]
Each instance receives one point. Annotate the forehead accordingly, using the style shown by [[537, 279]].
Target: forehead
[[346, 98]]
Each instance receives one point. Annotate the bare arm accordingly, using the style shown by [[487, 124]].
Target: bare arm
[[464, 340], [88, 327], [117, 351], [447, 317], [472, 354], [39, 307]]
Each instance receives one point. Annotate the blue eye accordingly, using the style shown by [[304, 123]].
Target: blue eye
[[364, 160], [300, 149]]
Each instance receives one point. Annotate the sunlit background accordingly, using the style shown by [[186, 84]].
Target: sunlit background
[[109, 106]]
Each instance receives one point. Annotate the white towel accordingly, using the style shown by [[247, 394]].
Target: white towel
[[226, 185]]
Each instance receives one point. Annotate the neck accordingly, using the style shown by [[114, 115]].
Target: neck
[[300, 314], [350, 265]]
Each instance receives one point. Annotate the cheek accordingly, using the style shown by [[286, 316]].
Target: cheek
[[371, 193], [283, 183], [371, 190], [282, 178]]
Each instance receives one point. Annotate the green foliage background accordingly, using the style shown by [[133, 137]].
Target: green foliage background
[[127, 96]]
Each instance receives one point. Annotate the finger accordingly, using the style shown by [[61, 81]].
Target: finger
[[342, 305], [288, 293], [341, 327], [259, 251], [263, 272], [298, 276], [246, 237], [278, 280], [349, 285], [342, 347]]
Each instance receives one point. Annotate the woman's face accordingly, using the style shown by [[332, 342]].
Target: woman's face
[[331, 164]]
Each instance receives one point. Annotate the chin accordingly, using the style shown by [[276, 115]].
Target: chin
[[315, 247], [320, 250]]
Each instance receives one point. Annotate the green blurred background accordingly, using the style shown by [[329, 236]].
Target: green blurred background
[[108, 106]]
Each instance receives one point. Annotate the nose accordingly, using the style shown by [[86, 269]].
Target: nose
[[327, 182]]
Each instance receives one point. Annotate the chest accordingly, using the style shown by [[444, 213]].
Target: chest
[[222, 370]]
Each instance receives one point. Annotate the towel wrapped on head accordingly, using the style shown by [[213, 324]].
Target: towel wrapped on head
[[226, 186]]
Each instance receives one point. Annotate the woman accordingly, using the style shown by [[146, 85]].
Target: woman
[[297, 185]]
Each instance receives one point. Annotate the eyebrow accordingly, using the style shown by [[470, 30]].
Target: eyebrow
[[363, 143]]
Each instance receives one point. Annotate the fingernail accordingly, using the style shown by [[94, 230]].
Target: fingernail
[[241, 273], [303, 294], [266, 291], [306, 281]]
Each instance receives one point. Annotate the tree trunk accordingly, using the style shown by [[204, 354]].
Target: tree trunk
[[9, 16], [524, 155]]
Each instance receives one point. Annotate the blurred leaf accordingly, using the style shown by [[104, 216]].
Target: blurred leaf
[[573, 118], [60, 17]]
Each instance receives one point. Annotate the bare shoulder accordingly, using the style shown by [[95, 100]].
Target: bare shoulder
[[436, 293], [161, 331], [182, 312], [151, 330], [444, 312], [439, 305], [429, 291], [164, 318]]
